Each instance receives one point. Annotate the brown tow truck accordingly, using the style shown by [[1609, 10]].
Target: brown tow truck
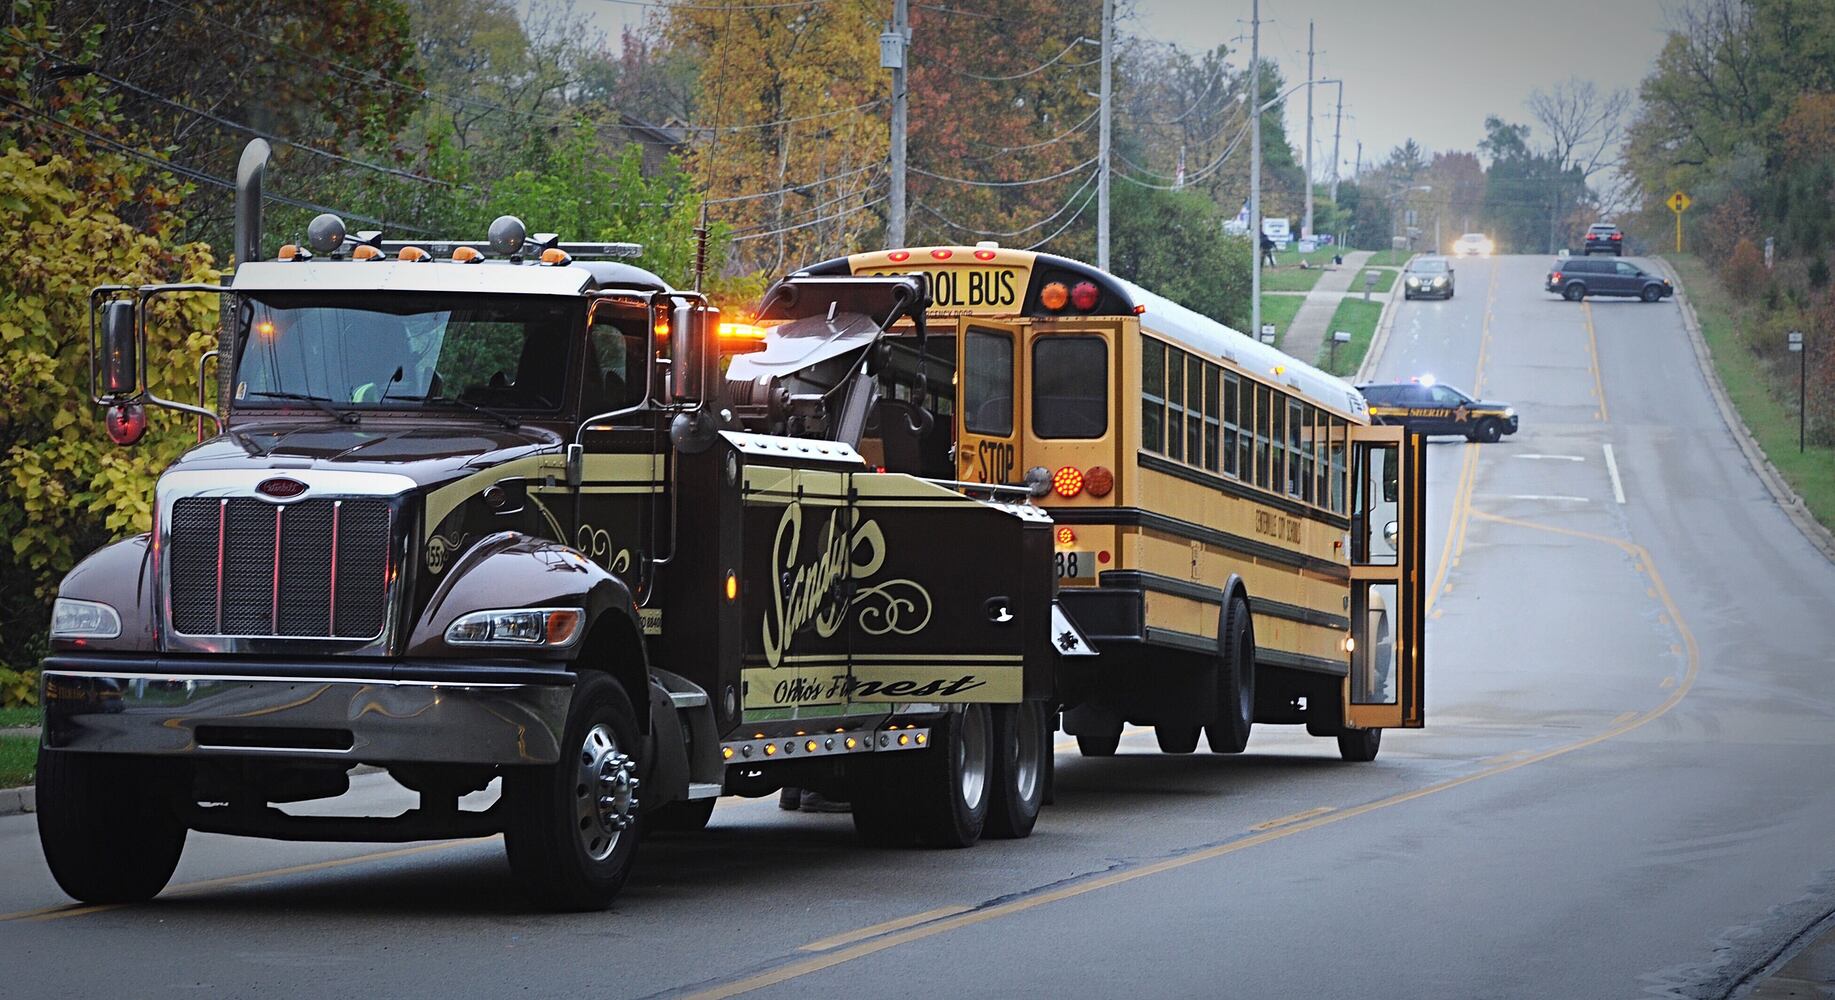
[[481, 512]]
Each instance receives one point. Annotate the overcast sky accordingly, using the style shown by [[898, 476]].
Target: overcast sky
[[1428, 69]]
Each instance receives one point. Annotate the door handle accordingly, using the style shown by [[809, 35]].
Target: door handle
[[1000, 610]]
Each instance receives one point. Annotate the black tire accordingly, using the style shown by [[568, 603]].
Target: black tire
[[1176, 738], [1101, 744], [563, 844], [1228, 731], [1652, 294], [681, 817], [949, 786], [1489, 431], [1359, 746], [107, 825], [1022, 743], [1574, 292]]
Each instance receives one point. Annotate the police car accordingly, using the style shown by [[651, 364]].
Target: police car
[[1423, 405]]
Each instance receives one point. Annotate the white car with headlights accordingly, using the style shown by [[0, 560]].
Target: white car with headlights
[[1473, 245]]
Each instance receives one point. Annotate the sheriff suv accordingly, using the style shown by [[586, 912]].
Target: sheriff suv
[[1604, 237], [1427, 408], [1576, 278]]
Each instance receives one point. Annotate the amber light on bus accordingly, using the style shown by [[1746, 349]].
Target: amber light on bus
[[1067, 482], [1054, 295], [1065, 535]]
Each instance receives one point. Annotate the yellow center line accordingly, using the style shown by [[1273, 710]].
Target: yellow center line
[[1468, 470], [888, 927], [814, 964], [1599, 385], [1294, 818]]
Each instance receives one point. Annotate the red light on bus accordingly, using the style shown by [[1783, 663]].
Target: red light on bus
[[940, 254], [1054, 295], [1067, 482], [1103, 557], [1098, 481], [899, 256], [984, 255], [1084, 295]]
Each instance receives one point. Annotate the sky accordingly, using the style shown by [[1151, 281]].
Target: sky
[[1430, 70]]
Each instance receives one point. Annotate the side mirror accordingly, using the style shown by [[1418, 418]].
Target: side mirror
[[1391, 481], [688, 351], [120, 349]]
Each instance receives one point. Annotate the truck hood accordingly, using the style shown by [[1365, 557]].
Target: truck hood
[[428, 453]]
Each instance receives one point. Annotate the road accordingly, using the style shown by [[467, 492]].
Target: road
[[1624, 789]]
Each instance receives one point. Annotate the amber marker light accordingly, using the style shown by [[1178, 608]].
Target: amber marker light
[[467, 255], [289, 252], [770, 749], [413, 254], [1067, 482], [265, 328], [920, 739], [1054, 295], [904, 739], [732, 587], [662, 329], [852, 743], [726, 752], [561, 626], [1065, 535], [556, 256], [810, 747], [366, 252], [1098, 481]]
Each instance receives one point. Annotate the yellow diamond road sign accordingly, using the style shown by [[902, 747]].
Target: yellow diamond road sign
[[1679, 202]]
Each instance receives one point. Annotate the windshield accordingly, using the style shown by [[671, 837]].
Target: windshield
[[1428, 266], [397, 350]]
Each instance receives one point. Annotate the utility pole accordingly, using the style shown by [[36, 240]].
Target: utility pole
[[1306, 225], [893, 47], [1255, 165], [1102, 165], [1337, 125]]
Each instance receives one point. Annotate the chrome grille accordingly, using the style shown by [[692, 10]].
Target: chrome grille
[[312, 569]]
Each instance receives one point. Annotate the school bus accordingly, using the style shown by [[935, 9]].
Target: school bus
[[1236, 541]]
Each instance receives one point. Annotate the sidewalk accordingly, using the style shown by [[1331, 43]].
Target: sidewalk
[[1308, 331], [1808, 976]]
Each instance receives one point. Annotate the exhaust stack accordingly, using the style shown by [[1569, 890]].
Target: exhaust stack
[[249, 174]]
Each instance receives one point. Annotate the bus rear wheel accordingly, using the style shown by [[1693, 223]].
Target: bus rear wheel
[[1228, 731]]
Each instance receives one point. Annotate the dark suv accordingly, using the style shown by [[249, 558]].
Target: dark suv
[[1576, 278], [1438, 409], [1604, 237]]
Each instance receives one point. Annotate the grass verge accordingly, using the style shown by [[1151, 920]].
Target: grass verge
[[1760, 401], [1390, 258], [18, 759], [1279, 310], [1385, 280], [1358, 317], [21, 717], [1290, 279]]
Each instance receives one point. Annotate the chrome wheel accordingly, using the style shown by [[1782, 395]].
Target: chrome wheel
[[972, 758], [1025, 752], [605, 793]]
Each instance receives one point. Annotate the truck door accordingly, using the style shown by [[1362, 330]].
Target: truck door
[[988, 395], [1388, 520]]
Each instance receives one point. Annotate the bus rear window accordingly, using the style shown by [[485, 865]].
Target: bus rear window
[[1070, 387]]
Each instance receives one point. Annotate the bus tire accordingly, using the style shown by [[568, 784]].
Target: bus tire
[[107, 826], [1175, 738], [571, 828], [951, 783], [1359, 746], [1228, 732], [681, 817], [1022, 742]]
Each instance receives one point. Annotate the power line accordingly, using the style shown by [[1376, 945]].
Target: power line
[[1042, 67], [815, 209], [812, 222], [202, 176], [1061, 229], [793, 188], [1005, 184], [1068, 202], [1073, 130]]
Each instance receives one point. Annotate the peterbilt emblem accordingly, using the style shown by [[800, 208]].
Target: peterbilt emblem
[[280, 488]]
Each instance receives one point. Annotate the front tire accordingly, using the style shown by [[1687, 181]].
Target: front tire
[[107, 826], [1652, 294], [1228, 732], [1488, 431], [1022, 770], [1359, 746], [573, 827]]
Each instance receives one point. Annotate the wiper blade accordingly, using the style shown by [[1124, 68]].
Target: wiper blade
[[321, 402], [509, 422]]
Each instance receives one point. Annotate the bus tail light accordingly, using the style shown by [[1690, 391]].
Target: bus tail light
[[1065, 535], [1067, 482], [1054, 295], [1098, 481], [1085, 295]]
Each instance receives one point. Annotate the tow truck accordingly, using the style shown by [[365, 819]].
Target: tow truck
[[487, 515]]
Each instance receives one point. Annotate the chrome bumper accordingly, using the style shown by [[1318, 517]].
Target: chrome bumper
[[357, 719]]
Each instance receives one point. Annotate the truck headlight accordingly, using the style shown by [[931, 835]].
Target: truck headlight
[[554, 627], [73, 619]]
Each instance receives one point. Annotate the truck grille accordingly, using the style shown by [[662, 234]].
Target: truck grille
[[315, 568]]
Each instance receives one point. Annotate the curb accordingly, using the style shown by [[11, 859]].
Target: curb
[[1819, 537], [18, 801], [1379, 340]]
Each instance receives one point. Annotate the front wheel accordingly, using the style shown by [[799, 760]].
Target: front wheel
[[1652, 293], [1488, 431], [107, 826], [1022, 743], [1359, 746], [572, 827]]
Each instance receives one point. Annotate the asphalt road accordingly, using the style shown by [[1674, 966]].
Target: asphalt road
[[1624, 789]]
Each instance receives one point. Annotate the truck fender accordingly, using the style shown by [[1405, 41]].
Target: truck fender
[[120, 575], [513, 570]]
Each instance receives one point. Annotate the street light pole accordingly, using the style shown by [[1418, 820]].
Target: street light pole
[[1306, 225], [1102, 167], [893, 54], [1255, 166]]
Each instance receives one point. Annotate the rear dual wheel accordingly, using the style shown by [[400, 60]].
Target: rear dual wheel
[[1022, 768], [1228, 732], [938, 797]]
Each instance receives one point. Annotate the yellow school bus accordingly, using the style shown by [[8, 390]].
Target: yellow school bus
[[1235, 541]]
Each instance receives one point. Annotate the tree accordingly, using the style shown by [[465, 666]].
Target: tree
[[1168, 241]]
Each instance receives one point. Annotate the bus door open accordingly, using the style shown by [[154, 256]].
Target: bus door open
[[988, 394], [1388, 545]]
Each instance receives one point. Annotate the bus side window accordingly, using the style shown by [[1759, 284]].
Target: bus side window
[[1231, 394], [1211, 403], [1261, 436], [1175, 404], [1339, 472], [1153, 395]]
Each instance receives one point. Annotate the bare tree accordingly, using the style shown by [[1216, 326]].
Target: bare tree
[[1585, 127]]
